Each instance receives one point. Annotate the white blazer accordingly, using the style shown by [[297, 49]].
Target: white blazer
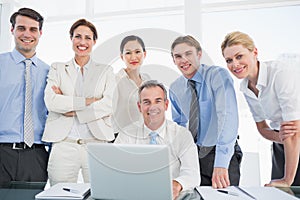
[[99, 83]]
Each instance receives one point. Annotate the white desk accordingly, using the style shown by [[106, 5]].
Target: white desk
[[258, 193]]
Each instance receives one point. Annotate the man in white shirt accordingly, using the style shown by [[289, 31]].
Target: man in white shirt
[[184, 163]]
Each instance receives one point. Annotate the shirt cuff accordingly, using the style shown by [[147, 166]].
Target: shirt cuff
[[182, 183], [291, 116], [223, 156], [188, 184]]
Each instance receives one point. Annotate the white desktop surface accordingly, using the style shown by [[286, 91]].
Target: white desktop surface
[[260, 193]]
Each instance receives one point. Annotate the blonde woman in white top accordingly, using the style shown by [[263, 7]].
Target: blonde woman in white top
[[272, 92], [125, 110]]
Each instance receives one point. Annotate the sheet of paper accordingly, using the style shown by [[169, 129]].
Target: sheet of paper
[[269, 193], [259, 193], [208, 193], [76, 191]]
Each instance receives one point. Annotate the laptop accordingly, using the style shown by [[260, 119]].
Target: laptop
[[129, 171]]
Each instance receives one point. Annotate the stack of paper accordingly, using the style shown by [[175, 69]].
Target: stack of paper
[[65, 191], [244, 193]]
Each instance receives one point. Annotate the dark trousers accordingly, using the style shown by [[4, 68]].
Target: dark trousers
[[207, 167], [23, 164], [278, 162]]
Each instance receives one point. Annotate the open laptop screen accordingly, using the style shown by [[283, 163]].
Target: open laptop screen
[[129, 171]]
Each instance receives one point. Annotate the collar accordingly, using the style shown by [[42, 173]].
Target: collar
[[18, 57], [122, 73], [161, 130], [77, 67], [198, 78], [262, 75], [244, 85], [261, 81]]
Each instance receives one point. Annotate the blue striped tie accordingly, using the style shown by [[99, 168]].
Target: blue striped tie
[[153, 136]]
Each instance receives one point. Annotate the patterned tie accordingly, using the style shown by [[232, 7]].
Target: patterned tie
[[28, 122], [194, 111], [153, 136]]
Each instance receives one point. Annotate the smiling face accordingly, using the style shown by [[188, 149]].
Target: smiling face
[[187, 59], [241, 62], [83, 41], [133, 54], [26, 34], [153, 105]]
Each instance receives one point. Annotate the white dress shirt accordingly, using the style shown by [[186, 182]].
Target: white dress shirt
[[125, 109], [184, 162], [80, 130], [279, 93]]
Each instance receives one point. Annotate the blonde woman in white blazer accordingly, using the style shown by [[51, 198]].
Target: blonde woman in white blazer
[[78, 96]]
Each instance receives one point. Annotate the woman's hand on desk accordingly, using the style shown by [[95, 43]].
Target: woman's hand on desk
[[278, 183]]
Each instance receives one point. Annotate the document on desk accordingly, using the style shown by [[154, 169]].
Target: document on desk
[[244, 193], [66, 191]]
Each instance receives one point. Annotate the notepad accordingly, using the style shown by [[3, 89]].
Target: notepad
[[65, 191], [250, 193]]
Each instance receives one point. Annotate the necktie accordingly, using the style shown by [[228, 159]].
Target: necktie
[[194, 111], [153, 136], [28, 122]]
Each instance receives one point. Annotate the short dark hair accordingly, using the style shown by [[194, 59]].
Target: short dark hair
[[84, 22], [132, 38], [27, 12], [188, 39], [152, 83]]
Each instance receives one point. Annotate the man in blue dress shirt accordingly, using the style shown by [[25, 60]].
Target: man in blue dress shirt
[[20, 161], [217, 128]]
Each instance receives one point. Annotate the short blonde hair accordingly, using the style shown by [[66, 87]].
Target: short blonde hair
[[236, 38]]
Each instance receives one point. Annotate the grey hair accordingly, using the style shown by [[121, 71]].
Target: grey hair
[[153, 83]]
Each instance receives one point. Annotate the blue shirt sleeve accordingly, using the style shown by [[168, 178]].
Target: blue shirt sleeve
[[177, 113], [227, 116]]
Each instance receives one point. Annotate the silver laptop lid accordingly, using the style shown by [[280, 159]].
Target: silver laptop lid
[[129, 171]]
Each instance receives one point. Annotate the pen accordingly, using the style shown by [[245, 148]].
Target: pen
[[71, 190], [228, 192], [252, 197]]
